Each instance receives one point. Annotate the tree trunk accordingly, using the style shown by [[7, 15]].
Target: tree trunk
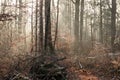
[[56, 31], [76, 24], [20, 17], [101, 27], [36, 26], [41, 27], [32, 46], [113, 24], [48, 38], [81, 22], [91, 21]]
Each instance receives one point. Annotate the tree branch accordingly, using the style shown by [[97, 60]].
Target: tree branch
[[111, 8], [73, 1], [109, 5]]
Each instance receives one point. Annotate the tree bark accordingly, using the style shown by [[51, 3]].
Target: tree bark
[[76, 24], [48, 38], [41, 27], [113, 24], [32, 46], [20, 17], [81, 22], [101, 27], [36, 26], [56, 31]]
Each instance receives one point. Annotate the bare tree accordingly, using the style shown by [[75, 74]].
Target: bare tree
[[56, 31], [41, 26], [101, 27], [36, 26], [76, 24], [48, 38], [81, 22], [113, 23]]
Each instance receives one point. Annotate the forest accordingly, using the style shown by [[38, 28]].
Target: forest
[[59, 39]]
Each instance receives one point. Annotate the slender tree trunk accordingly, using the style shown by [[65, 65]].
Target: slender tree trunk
[[70, 12], [20, 17], [94, 23], [36, 26], [41, 27], [16, 19], [56, 31], [91, 21], [113, 24], [86, 26], [25, 41], [76, 24], [101, 27], [81, 22], [32, 46]]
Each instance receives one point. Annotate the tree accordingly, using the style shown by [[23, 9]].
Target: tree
[[56, 31], [113, 24], [101, 27], [32, 47], [76, 25], [48, 38], [20, 17], [81, 22], [36, 27], [41, 27]]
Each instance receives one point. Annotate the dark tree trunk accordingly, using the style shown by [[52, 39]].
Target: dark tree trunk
[[41, 27], [32, 46], [113, 24], [56, 31], [101, 27], [36, 26], [81, 22], [48, 37]]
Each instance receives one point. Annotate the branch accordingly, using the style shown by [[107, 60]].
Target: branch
[[109, 6], [73, 1]]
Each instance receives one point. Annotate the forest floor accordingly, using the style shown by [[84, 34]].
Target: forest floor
[[85, 70], [76, 73], [99, 64]]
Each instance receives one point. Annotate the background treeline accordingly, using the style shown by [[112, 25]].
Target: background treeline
[[43, 25]]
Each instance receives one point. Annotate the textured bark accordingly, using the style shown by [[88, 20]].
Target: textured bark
[[91, 32], [32, 29], [113, 24], [101, 26], [81, 22], [76, 24], [41, 27], [81, 18], [20, 17], [48, 37], [56, 31], [36, 26]]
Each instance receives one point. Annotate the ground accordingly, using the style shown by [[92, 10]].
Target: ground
[[98, 64]]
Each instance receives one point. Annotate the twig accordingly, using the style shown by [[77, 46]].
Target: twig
[[80, 65], [15, 76], [73, 1]]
